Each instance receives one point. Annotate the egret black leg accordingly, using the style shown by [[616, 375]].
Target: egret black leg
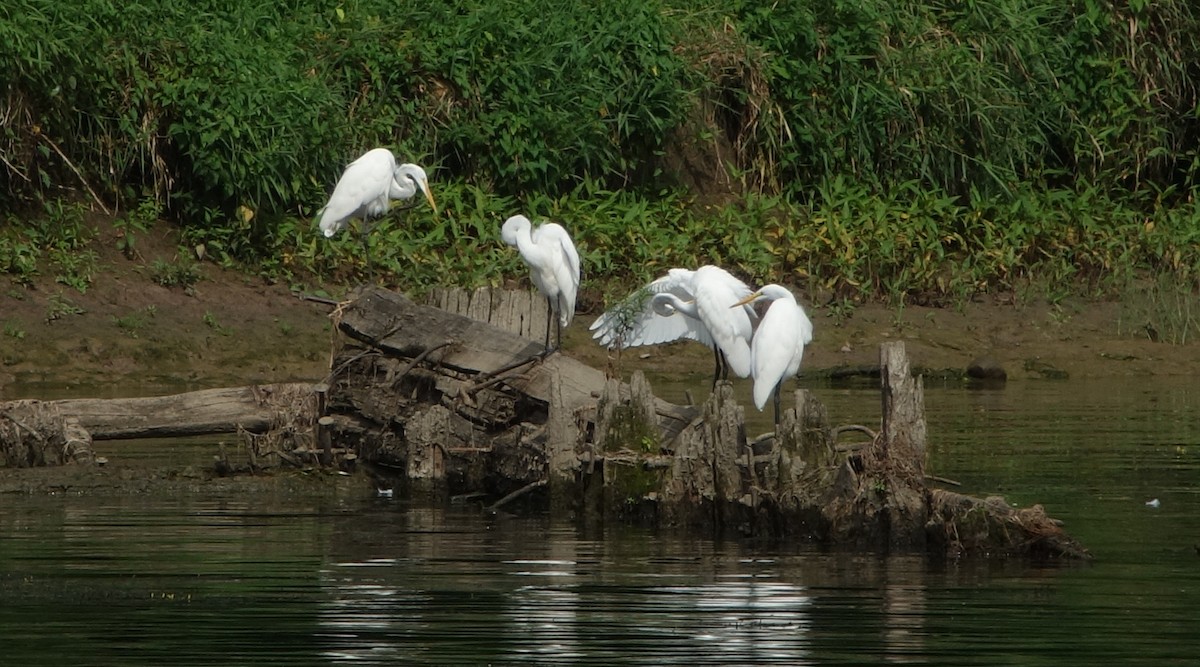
[[366, 231], [549, 315], [777, 388]]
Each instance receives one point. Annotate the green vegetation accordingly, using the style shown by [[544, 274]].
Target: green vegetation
[[135, 222], [860, 149], [56, 234], [134, 323], [59, 306], [211, 322], [182, 272]]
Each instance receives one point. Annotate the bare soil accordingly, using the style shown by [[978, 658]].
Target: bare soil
[[132, 335]]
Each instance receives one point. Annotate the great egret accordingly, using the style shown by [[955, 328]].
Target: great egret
[[778, 344], [553, 266], [686, 304], [366, 189]]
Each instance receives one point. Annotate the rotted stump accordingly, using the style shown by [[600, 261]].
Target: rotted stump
[[502, 419], [452, 407]]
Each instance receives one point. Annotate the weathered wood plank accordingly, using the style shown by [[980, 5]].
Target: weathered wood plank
[[519, 312]]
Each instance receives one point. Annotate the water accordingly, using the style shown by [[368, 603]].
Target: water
[[203, 579]]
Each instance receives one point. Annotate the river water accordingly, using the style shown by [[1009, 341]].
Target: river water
[[205, 580]]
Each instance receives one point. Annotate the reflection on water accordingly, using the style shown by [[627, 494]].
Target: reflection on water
[[211, 580]]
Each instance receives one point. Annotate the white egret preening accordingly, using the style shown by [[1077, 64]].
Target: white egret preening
[[686, 304], [366, 189], [553, 266], [778, 345]]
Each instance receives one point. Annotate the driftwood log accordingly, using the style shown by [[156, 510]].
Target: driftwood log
[[36, 433]]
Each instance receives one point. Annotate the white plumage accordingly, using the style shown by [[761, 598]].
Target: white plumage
[[367, 187], [685, 304], [553, 265], [778, 345]]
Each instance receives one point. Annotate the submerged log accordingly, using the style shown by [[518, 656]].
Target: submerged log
[[460, 408]]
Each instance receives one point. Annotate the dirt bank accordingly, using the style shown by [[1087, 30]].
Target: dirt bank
[[128, 334]]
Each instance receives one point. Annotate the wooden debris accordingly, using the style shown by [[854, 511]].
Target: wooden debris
[[607, 448], [35, 433], [452, 409]]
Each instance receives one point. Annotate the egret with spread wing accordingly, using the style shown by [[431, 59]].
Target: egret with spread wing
[[553, 266], [778, 345], [366, 189], [686, 304]]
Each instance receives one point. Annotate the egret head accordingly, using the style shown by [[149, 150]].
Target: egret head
[[663, 304], [415, 175], [513, 228], [769, 293]]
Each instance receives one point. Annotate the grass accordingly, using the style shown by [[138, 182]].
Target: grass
[[1161, 309], [59, 306], [133, 324], [182, 273], [211, 322]]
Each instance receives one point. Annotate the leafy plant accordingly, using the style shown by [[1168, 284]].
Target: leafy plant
[[180, 273], [136, 222], [211, 322], [59, 306], [133, 323]]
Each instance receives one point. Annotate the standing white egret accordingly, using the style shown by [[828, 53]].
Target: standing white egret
[[686, 304], [778, 345], [366, 189], [553, 266]]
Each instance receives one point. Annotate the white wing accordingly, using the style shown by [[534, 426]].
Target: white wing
[[778, 346], [633, 322], [361, 191], [559, 248], [716, 292]]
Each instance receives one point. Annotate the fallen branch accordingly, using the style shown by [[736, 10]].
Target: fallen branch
[[516, 494]]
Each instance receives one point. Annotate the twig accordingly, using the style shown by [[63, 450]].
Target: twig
[[504, 369], [319, 299], [464, 497], [943, 480], [516, 494], [14, 170], [491, 381], [421, 357], [376, 340], [853, 427], [345, 364], [77, 173]]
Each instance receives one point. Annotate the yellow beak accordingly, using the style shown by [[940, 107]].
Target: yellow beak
[[429, 198], [748, 299]]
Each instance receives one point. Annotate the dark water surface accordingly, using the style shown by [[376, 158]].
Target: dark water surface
[[200, 580]]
